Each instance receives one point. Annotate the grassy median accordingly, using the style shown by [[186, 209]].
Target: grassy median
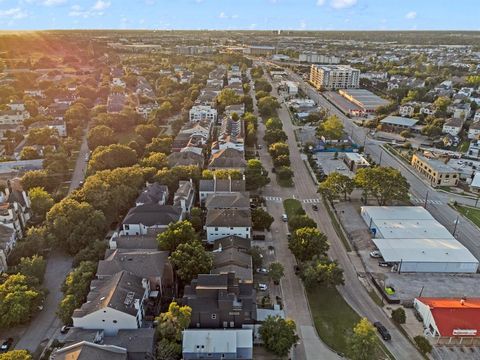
[[471, 213]]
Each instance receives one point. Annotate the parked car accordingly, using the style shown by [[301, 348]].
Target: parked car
[[6, 345], [383, 331], [64, 329], [273, 170], [376, 254], [385, 264], [296, 268], [258, 237], [259, 146], [315, 207], [262, 270], [289, 236], [262, 287], [285, 217]]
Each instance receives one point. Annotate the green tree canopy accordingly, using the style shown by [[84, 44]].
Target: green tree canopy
[[385, 184], [173, 322], [321, 271], [267, 106], [279, 148], [100, 135], [307, 243], [191, 259], [423, 344], [363, 342], [147, 131], [337, 185], [261, 219], [255, 175], [29, 153], [16, 355], [399, 316], [111, 157], [160, 144], [331, 128], [278, 335], [301, 221], [155, 159], [177, 233], [33, 268], [275, 271], [41, 201]]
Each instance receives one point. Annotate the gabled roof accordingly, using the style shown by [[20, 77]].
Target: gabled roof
[[185, 158], [153, 214], [136, 242], [228, 218], [228, 158], [113, 293], [233, 241], [152, 194], [143, 263], [454, 314], [85, 350], [222, 185], [238, 200]]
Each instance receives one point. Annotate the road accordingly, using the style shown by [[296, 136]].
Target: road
[[46, 324], [437, 201], [294, 298], [353, 291]]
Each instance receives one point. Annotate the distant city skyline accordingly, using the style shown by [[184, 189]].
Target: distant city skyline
[[240, 14]]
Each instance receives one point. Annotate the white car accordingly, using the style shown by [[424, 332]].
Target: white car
[[285, 217], [262, 287], [376, 254], [262, 270]]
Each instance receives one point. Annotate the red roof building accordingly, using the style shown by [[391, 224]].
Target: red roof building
[[450, 317]]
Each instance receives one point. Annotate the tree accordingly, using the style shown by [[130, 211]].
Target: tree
[[423, 344], [336, 185], [441, 105], [191, 259], [228, 97], [262, 85], [38, 178], [257, 257], [274, 123], [281, 160], [322, 271], [399, 316], [255, 175], [307, 243], [33, 268], [177, 233], [301, 221], [261, 219], [363, 342], [195, 218], [74, 225], [168, 350], [284, 173], [41, 201], [156, 159], [29, 153], [331, 128], [77, 115], [173, 322], [275, 135], [160, 144], [75, 289], [147, 131], [111, 157], [100, 135], [17, 300], [56, 164], [42, 136], [279, 148], [261, 94], [171, 177], [267, 106], [406, 134], [386, 184], [16, 355], [278, 335], [275, 272]]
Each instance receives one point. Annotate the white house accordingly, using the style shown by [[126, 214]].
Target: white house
[[58, 125], [474, 131], [453, 126], [476, 117], [203, 112], [407, 109], [184, 197], [219, 186], [228, 222], [12, 117], [150, 219], [113, 304]]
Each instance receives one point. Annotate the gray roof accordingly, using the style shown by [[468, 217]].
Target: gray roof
[[233, 241], [138, 342], [85, 350], [185, 158], [152, 194], [228, 218], [233, 260], [227, 158], [112, 293], [5, 235], [237, 200], [136, 242], [399, 121], [153, 214], [143, 263], [455, 122], [222, 185]]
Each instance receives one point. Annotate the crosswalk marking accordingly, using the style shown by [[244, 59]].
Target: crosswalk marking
[[422, 201], [273, 198], [311, 201]]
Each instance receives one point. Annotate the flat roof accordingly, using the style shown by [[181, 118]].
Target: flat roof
[[216, 340], [356, 157], [399, 121], [368, 99], [412, 229], [476, 180], [424, 250], [437, 165], [397, 212]]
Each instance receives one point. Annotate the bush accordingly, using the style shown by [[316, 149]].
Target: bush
[[423, 344], [399, 316]]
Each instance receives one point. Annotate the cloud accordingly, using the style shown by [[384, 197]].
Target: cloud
[[411, 15], [96, 10], [53, 2], [222, 15], [302, 25], [342, 4], [101, 5], [13, 13], [320, 2]]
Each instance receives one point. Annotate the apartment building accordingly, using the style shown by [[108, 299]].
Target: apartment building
[[334, 77], [203, 112], [318, 58], [439, 173]]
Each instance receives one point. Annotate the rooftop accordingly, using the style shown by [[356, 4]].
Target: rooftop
[[153, 214], [216, 341], [399, 121], [228, 218], [437, 165]]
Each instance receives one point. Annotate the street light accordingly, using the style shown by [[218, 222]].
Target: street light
[[456, 223]]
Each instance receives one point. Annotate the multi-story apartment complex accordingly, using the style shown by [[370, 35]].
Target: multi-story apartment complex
[[203, 112], [334, 77], [318, 58]]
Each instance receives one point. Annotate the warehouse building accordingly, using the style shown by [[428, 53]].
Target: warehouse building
[[366, 100], [410, 238]]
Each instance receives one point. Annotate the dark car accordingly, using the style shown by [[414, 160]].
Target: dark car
[[296, 268], [382, 331], [258, 237], [315, 207], [6, 345], [273, 170]]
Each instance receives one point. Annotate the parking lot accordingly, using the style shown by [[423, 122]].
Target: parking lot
[[330, 164]]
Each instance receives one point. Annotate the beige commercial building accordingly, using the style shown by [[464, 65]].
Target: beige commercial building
[[439, 173], [334, 77]]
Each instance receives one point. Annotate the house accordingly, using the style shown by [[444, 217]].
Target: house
[[201, 128], [150, 264], [219, 186], [450, 320], [132, 242], [185, 158], [202, 112], [146, 109], [476, 117], [474, 150], [15, 207], [228, 158], [233, 200], [236, 242], [475, 184], [220, 301], [113, 304], [116, 102], [225, 222], [150, 219], [8, 240], [58, 125], [453, 126], [233, 260], [217, 344], [138, 343], [355, 161], [397, 123], [12, 117], [231, 135], [89, 350], [436, 171], [153, 194], [474, 131], [184, 197], [239, 109], [407, 109]]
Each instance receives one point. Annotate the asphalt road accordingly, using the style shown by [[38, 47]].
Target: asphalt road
[[437, 201], [46, 324], [353, 291]]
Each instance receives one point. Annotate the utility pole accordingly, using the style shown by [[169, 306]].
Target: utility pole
[[476, 201], [380, 161], [426, 200], [456, 223]]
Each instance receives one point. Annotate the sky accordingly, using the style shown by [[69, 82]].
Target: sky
[[240, 14]]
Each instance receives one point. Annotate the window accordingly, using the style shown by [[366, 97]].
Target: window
[[214, 316], [216, 229], [127, 227], [115, 321]]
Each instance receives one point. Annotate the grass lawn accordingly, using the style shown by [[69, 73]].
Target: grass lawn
[[463, 147], [471, 213], [292, 207]]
